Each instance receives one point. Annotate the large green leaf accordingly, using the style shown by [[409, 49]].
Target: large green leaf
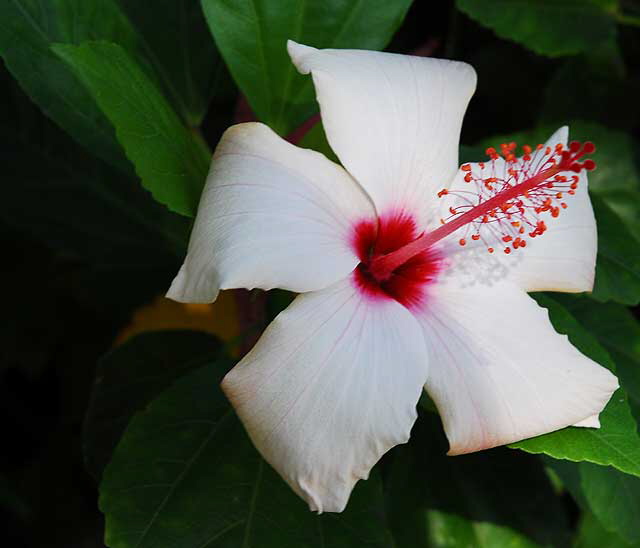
[[28, 29], [606, 494], [616, 180], [614, 498], [566, 476], [507, 489], [626, 204], [617, 177], [616, 155], [452, 531], [175, 38], [316, 139], [548, 27], [171, 160], [618, 264], [252, 37], [185, 475], [591, 534], [616, 442], [130, 376]]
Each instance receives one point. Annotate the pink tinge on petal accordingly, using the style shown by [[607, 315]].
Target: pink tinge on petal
[[408, 283]]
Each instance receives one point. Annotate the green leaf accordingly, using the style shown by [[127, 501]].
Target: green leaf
[[626, 204], [508, 489], [567, 473], [548, 27], [591, 534], [614, 498], [616, 442], [171, 161], [185, 475], [316, 139], [452, 531], [28, 29], [175, 38], [604, 493], [618, 264], [617, 178], [252, 37], [616, 154], [130, 376]]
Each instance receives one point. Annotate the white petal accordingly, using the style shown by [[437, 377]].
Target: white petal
[[329, 388], [271, 215], [499, 373], [589, 422], [393, 120], [563, 259]]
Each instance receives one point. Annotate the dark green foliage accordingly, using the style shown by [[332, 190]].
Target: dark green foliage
[[618, 266], [129, 377], [252, 37], [548, 27]]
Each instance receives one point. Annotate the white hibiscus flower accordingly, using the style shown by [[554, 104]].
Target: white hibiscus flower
[[413, 274]]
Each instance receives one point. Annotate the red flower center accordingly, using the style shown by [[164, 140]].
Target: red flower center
[[407, 283]]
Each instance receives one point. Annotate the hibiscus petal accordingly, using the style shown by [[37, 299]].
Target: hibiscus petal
[[393, 120], [329, 388], [499, 373], [563, 259], [271, 215]]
